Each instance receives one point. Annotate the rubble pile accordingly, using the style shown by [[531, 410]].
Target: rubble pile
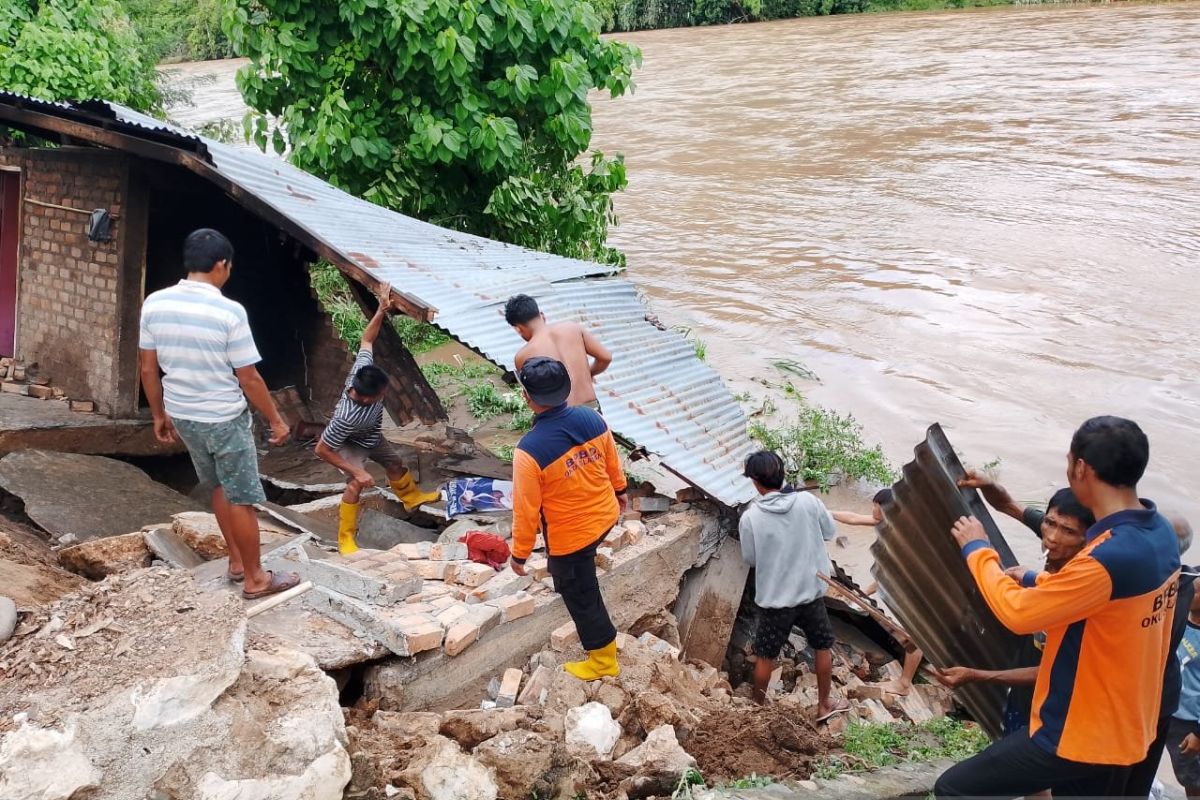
[[142, 686]]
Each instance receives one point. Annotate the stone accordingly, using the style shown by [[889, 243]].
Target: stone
[[514, 606], [613, 696], [449, 551], [538, 686], [8, 618], [510, 687], [660, 753], [166, 545], [99, 558], [657, 645], [468, 573], [459, 637], [45, 764], [523, 762], [591, 728], [504, 583], [633, 531], [443, 772], [106, 497], [563, 637], [654, 504], [654, 709], [472, 726]]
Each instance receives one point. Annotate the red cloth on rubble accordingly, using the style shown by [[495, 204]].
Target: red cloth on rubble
[[486, 548]]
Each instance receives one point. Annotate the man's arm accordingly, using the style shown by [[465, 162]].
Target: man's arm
[[527, 507], [371, 332], [255, 389], [825, 522], [746, 537], [995, 494], [601, 356], [612, 464], [850, 518], [520, 357], [954, 677], [164, 431], [1078, 589]]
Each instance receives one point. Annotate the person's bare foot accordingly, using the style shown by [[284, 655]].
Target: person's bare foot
[[897, 686]]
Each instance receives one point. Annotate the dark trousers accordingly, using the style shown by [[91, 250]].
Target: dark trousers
[[575, 579], [1016, 767], [1137, 780]]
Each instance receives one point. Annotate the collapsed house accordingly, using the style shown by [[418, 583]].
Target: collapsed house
[[409, 632]]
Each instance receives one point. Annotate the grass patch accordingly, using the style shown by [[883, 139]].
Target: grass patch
[[349, 321], [485, 401], [751, 781], [870, 746], [821, 445]]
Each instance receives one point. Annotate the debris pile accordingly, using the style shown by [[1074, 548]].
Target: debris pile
[[17, 377], [145, 664]]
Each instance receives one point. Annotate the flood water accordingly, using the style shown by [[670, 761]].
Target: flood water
[[986, 219]]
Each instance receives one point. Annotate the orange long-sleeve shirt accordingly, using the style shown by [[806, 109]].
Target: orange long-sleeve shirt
[[566, 476], [1107, 617]]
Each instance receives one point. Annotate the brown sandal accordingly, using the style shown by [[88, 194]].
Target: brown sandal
[[280, 582]]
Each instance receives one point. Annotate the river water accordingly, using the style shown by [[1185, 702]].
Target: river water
[[988, 219]]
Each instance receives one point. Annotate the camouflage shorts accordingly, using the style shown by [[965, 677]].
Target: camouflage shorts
[[224, 454]]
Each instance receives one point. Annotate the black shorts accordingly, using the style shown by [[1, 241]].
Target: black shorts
[[1187, 768], [775, 626]]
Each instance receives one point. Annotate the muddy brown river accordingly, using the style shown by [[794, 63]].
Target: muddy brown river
[[986, 218]]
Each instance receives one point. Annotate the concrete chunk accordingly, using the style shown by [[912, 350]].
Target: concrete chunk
[[468, 573], [563, 637], [484, 616], [414, 550], [349, 580], [430, 570], [99, 558], [655, 504], [170, 548], [451, 616], [538, 568], [538, 686], [505, 583], [604, 557], [510, 686], [404, 635]]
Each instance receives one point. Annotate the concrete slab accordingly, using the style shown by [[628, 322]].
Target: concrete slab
[[168, 546], [379, 531], [87, 497], [29, 423], [708, 604]]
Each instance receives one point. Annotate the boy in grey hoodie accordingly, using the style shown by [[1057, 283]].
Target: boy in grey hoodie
[[783, 537]]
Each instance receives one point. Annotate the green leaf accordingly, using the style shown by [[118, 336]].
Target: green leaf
[[359, 146]]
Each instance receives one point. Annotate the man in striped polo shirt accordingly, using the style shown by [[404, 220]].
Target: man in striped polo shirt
[[355, 434], [200, 341]]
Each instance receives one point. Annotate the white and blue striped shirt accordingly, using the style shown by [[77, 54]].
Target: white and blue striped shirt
[[201, 337]]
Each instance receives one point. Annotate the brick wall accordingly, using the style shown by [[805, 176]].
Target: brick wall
[[69, 309]]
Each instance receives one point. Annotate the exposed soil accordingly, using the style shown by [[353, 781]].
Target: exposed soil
[[773, 741]]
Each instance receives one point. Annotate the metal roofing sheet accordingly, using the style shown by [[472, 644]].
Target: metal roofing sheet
[[657, 393], [926, 583]]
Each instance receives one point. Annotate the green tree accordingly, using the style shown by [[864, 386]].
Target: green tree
[[179, 30], [74, 50], [472, 114]]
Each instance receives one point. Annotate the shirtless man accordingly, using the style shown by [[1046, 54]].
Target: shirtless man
[[568, 342]]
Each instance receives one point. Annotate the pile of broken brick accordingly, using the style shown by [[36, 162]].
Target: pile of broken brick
[[18, 378]]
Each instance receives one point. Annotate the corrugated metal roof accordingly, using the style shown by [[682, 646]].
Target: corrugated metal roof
[[926, 582], [657, 393]]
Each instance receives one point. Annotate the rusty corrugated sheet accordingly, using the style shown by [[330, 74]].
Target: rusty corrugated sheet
[[926, 583], [657, 394]]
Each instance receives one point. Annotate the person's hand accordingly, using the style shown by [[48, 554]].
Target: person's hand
[[363, 479], [517, 566], [953, 677], [975, 480], [280, 433], [1017, 573], [623, 502], [967, 530], [384, 295], [1191, 745], [164, 430], [871, 590]]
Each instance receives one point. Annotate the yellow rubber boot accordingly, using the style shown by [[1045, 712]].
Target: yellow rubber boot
[[600, 663], [347, 526], [410, 494]]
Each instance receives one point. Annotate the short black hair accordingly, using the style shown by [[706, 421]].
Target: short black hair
[[203, 248], [369, 381], [520, 308], [766, 468], [1066, 503], [1116, 448], [883, 497]]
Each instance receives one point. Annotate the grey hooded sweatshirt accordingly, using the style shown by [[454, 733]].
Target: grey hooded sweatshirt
[[783, 538]]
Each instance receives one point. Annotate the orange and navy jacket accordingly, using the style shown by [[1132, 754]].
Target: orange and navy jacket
[[566, 476], [1107, 617]]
